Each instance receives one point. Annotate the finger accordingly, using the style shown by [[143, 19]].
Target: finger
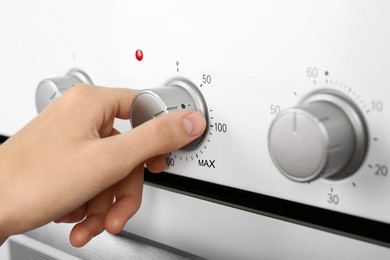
[[75, 216], [108, 131], [119, 99], [128, 200], [156, 164], [121, 153], [93, 225], [116, 101], [114, 131]]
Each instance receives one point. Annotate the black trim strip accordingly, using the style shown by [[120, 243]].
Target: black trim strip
[[3, 139], [335, 222]]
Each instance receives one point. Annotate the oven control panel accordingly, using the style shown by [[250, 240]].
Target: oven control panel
[[295, 94]]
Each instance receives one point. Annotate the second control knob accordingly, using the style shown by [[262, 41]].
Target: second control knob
[[178, 94], [324, 136], [53, 88]]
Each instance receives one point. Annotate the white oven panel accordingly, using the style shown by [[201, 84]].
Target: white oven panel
[[250, 60]]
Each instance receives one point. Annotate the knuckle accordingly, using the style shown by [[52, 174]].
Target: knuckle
[[78, 95], [79, 89]]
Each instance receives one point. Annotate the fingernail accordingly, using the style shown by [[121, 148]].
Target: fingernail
[[194, 123]]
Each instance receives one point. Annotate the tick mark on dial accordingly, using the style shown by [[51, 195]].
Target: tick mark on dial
[[295, 124], [158, 114], [52, 96], [335, 147], [172, 108]]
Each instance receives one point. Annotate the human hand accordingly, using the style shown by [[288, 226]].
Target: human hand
[[69, 164]]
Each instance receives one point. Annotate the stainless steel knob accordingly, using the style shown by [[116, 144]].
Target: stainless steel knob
[[324, 136], [178, 94], [51, 89]]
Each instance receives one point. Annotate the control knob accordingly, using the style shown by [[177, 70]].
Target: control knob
[[51, 89], [178, 94], [324, 136]]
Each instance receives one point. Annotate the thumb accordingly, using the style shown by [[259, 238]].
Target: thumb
[[155, 137]]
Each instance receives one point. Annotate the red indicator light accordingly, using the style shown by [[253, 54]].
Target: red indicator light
[[139, 55]]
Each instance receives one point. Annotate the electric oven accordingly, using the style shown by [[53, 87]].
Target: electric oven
[[295, 159]]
